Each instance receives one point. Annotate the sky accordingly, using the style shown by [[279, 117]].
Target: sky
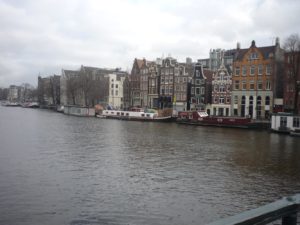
[[45, 36]]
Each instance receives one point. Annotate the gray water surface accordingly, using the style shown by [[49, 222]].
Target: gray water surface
[[58, 169]]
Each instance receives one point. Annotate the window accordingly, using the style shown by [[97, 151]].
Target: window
[[112, 92], [228, 100], [112, 85], [259, 85], [197, 81], [192, 90], [267, 100], [283, 121], [254, 55], [236, 85], [235, 99], [202, 90], [251, 85], [244, 85], [252, 70], [260, 69], [116, 86], [221, 88], [244, 70], [296, 122], [117, 92], [237, 71], [221, 100], [197, 91], [268, 69]]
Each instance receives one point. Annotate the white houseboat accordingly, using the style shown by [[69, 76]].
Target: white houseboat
[[134, 115], [286, 123]]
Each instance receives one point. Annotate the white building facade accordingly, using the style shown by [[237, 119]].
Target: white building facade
[[115, 93]]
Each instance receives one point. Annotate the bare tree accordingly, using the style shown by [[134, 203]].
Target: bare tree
[[86, 83], [292, 47], [72, 85]]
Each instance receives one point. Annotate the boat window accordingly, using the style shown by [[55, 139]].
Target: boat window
[[296, 122], [112, 112], [122, 114], [127, 114], [118, 113], [142, 114], [148, 115], [106, 112]]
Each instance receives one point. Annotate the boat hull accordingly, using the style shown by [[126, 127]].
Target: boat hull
[[194, 118]]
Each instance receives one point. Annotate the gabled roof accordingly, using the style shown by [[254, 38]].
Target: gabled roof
[[70, 72], [265, 51]]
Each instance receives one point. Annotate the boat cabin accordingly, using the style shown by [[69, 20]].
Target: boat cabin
[[285, 122]]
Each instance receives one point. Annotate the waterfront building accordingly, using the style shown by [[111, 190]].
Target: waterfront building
[[115, 90], [126, 93], [150, 84], [13, 93], [291, 81], [135, 80], [174, 78], [198, 84], [221, 91], [257, 81]]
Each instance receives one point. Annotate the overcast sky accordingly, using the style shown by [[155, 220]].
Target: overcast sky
[[44, 36]]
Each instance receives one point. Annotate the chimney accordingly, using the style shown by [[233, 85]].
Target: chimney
[[238, 46], [277, 41]]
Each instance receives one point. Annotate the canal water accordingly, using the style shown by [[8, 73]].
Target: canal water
[[58, 169]]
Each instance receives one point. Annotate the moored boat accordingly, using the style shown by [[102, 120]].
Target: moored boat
[[203, 119], [134, 116], [295, 132], [12, 104]]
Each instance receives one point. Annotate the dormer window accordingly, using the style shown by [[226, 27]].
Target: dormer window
[[254, 55]]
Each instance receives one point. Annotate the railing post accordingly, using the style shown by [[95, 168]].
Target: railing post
[[290, 219]]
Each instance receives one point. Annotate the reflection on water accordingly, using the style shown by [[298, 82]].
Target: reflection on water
[[57, 169]]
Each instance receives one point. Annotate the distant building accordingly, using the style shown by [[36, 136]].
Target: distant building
[[135, 79], [257, 81], [174, 79], [216, 56], [13, 93], [197, 101], [221, 91], [115, 90], [291, 81]]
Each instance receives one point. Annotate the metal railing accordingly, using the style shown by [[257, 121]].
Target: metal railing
[[285, 210]]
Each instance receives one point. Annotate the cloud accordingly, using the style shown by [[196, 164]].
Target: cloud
[[48, 35]]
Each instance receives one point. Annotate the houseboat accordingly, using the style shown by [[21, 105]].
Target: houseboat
[[203, 119], [78, 111], [286, 123], [134, 116]]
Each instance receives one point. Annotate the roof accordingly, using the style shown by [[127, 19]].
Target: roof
[[265, 51]]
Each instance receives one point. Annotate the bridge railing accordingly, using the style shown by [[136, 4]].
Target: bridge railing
[[285, 210]]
